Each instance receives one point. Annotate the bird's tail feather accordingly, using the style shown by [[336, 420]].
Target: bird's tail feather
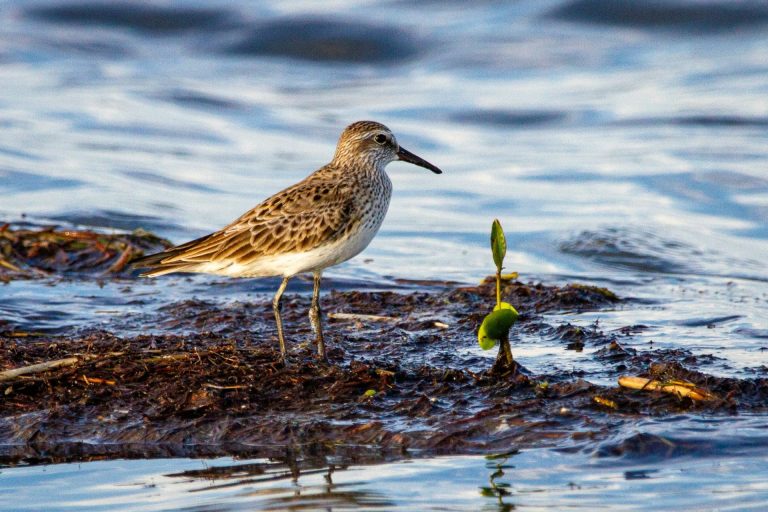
[[162, 263]]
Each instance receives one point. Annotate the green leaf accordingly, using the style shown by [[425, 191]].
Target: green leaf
[[496, 325], [498, 244], [483, 340], [369, 393], [507, 305]]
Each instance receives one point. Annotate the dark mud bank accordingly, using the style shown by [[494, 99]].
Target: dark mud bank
[[389, 387], [404, 377]]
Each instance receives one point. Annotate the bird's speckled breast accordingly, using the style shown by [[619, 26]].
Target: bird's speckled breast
[[372, 205]]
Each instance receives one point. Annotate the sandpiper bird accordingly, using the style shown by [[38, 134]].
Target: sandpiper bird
[[325, 219]]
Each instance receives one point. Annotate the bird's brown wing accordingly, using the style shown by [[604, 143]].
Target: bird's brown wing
[[298, 219]]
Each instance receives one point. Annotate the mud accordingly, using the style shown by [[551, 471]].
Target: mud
[[408, 381]]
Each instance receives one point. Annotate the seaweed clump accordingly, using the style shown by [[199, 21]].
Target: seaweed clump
[[47, 251]]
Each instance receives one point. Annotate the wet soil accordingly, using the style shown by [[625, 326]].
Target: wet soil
[[408, 380]]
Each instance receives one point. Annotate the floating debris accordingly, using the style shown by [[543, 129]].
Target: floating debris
[[676, 387]]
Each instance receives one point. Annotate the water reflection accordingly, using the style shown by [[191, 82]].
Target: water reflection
[[497, 489], [287, 484], [540, 479]]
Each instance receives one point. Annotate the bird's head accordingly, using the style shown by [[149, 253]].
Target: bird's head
[[374, 143]]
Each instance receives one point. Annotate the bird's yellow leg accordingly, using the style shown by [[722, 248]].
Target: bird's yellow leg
[[276, 307], [315, 316]]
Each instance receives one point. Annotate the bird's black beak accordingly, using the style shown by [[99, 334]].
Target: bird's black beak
[[406, 156]]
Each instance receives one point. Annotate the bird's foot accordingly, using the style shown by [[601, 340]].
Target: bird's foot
[[321, 353], [285, 361]]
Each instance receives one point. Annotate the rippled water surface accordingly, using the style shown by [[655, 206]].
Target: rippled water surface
[[623, 144]]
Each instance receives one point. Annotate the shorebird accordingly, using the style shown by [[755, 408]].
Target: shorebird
[[325, 219]]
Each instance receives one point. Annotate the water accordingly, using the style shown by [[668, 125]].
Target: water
[[687, 475], [620, 144]]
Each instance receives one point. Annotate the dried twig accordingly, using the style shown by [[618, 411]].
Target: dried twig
[[24, 334], [33, 369], [122, 261], [361, 317], [15, 373], [167, 358], [9, 265], [97, 380], [606, 402], [216, 386]]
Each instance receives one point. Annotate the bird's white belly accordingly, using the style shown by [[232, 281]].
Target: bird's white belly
[[293, 263], [329, 254]]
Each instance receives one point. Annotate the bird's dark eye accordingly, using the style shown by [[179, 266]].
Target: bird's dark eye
[[380, 139]]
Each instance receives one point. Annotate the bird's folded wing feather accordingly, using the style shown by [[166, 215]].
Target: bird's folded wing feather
[[298, 219]]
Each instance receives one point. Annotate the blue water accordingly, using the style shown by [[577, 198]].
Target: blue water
[[620, 143]]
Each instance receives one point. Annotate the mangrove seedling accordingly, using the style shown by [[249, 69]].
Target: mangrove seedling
[[496, 325]]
